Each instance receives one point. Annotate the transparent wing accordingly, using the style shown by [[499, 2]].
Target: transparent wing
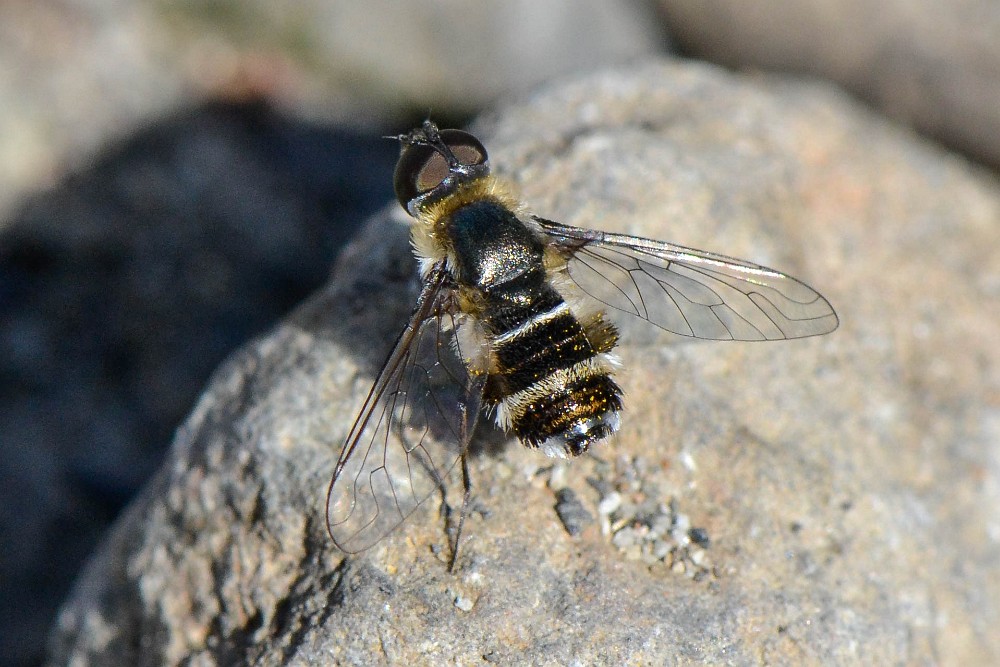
[[690, 292], [412, 429]]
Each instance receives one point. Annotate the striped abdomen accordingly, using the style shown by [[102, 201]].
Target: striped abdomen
[[552, 376]]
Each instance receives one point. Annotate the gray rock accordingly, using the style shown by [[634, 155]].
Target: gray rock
[[121, 290], [848, 483], [78, 75], [935, 65]]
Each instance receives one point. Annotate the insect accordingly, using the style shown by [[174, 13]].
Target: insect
[[512, 319]]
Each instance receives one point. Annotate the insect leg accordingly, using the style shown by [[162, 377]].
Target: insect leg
[[467, 486]]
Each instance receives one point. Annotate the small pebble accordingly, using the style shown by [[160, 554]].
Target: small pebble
[[557, 480], [602, 486], [609, 503], [700, 537], [625, 537], [660, 525], [573, 515]]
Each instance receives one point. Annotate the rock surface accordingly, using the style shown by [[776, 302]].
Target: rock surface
[[121, 290], [118, 178], [76, 75], [831, 500], [935, 65]]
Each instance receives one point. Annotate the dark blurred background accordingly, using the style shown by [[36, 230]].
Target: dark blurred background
[[175, 177]]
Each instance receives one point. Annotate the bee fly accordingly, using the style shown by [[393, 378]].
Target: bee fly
[[494, 329]]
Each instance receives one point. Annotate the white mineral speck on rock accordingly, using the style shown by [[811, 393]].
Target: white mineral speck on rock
[[609, 503]]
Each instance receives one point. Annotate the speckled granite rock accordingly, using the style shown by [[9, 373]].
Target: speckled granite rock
[[824, 501]]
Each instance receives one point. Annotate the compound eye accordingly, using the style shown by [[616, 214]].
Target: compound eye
[[422, 167]]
